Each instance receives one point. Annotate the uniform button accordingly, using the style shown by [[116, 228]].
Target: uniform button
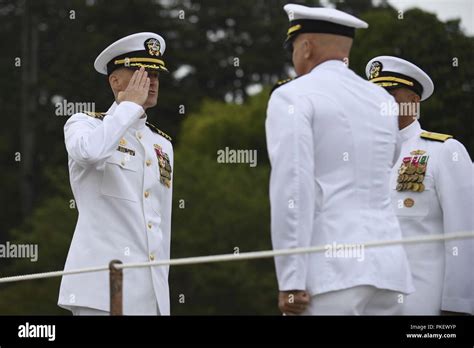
[[149, 226], [148, 163], [152, 257], [147, 194], [139, 135], [122, 163]]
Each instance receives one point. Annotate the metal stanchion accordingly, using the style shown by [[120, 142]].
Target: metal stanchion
[[116, 282]]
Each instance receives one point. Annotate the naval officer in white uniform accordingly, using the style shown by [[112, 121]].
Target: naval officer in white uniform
[[432, 193], [120, 169], [331, 149]]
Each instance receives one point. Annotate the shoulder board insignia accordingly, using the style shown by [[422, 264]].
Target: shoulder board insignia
[[98, 115], [280, 83], [160, 132], [435, 136]]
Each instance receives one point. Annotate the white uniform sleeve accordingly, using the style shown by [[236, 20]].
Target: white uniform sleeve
[[399, 140], [398, 149], [87, 142], [456, 193], [290, 148]]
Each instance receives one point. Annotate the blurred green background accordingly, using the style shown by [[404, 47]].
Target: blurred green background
[[224, 57]]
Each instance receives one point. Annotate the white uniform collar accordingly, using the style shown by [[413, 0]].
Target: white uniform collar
[[330, 63], [410, 131], [138, 124]]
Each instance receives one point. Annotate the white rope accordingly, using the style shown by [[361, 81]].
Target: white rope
[[235, 257], [52, 274], [281, 252]]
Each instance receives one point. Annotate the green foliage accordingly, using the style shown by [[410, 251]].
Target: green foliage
[[50, 227], [225, 210]]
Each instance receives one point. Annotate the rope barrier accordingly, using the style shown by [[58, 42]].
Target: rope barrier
[[234, 257], [52, 274], [281, 252]]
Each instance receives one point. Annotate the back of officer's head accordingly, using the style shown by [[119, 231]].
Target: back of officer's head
[[312, 49]]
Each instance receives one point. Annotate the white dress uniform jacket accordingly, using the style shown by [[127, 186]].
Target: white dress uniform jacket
[[124, 209], [332, 153], [442, 271]]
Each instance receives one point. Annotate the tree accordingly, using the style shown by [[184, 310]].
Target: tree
[[50, 228], [225, 209]]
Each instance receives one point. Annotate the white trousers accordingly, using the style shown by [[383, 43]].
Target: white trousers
[[426, 300], [87, 311], [76, 310], [359, 300]]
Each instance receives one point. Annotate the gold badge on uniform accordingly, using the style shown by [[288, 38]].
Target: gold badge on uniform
[[417, 152], [409, 202], [164, 165], [123, 149], [412, 172]]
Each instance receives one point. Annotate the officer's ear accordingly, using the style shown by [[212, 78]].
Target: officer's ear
[[114, 81], [307, 46], [415, 98]]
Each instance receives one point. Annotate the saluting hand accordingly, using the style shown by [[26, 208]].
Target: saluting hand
[[137, 89]]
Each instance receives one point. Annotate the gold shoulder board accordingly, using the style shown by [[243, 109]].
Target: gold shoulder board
[[160, 132], [279, 84], [98, 115], [435, 136]]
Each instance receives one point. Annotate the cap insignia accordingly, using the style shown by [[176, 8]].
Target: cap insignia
[[152, 46], [375, 69]]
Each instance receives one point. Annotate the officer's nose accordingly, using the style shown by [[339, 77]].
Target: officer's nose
[[154, 79]]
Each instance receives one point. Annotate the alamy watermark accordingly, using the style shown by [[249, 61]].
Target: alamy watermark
[[237, 156], [19, 251], [66, 108], [28, 330], [345, 251], [400, 109]]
